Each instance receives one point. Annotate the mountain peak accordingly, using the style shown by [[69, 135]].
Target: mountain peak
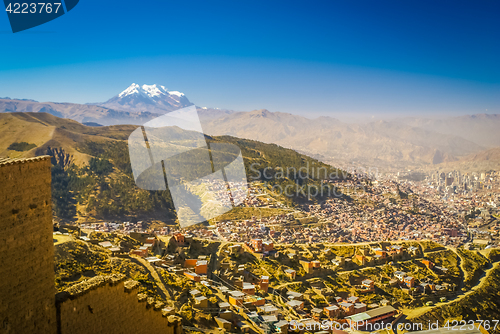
[[151, 91], [155, 90], [152, 98], [261, 112], [132, 89]]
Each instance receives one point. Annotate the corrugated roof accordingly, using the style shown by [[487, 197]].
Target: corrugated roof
[[9, 161], [294, 302], [359, 317], [380, 311]]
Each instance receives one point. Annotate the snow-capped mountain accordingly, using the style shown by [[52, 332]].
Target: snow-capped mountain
[[147, 98]]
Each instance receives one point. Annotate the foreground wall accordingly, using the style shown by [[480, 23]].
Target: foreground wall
[[28, 300], [27, 289], [107, 304]]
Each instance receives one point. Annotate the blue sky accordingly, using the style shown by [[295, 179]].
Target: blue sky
[[310, 58]]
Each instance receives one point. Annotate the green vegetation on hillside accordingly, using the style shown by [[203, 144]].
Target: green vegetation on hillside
[[473, 264], [106, 187], [276, 165], [481, 304], [99, 176], [21, 147], [76, 261], [449, 260], [63, 199], [429, 246], [494, 254]]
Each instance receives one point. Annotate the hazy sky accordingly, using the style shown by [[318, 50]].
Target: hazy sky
[[312, 58]]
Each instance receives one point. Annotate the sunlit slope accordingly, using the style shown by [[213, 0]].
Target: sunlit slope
[[106, 187], [22, 128], [45, 130]]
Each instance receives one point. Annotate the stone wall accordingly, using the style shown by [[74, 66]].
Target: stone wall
[[107, 304], [26, 248], [28, 301]]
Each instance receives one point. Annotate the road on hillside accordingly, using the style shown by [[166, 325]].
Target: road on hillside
[[154, 274], [421, 310]]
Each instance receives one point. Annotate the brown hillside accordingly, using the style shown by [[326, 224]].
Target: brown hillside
[[43, 130]]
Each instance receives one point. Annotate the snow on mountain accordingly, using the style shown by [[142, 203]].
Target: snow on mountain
[[150, 101], [132, 89], [174, 92], [148, 98], [152, 91]]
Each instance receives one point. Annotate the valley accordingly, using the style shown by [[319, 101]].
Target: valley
[[390, 217]]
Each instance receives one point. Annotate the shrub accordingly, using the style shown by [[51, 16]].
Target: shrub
[[20, 147]]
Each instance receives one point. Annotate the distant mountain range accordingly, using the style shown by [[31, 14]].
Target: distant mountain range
[[476, 162], [135, 105], [382, 144], [481, 129], [82, 113], [387, 145]]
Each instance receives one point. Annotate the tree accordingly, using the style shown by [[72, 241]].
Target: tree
[[20, 147], [100, 167], [60, 157], [63, 199]]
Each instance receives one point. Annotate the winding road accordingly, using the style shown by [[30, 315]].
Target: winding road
[[421, 310], [154, 274]]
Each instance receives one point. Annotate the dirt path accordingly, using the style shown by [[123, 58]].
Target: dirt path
[[460, 263], [343, 272], [154, 274], [480, 283], [421, 310]]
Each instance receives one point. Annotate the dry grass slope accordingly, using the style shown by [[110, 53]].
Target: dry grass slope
[[45, 130]]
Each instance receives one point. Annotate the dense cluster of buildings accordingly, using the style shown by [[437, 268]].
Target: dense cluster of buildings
[[385, 210], [450, 209], [474, 197], [374, 217], [240, 292]]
